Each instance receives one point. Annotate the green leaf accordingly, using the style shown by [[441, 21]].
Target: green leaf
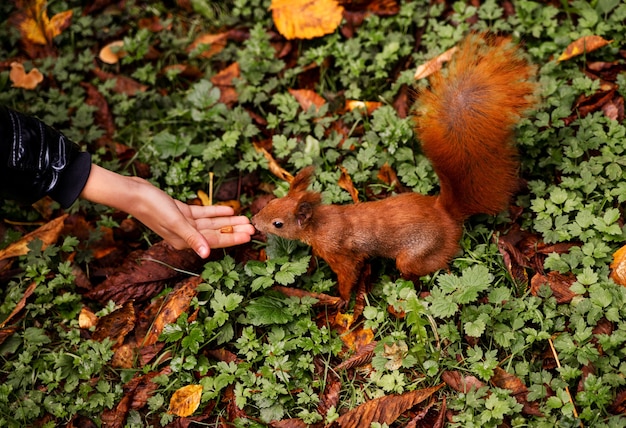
[[267, 310]]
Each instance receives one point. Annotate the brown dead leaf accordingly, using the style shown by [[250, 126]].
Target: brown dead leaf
[[305, 19], [116, 325], [112, 53], [20, 305], [559, 284], [330, 396], [618, 267], [124, 357], [322, 299], [86, 318], [505, 380], [21, 79], [48, 234], [185, 400], [461, 383], [7, 332], [224, 81], [583, 45], [360, 358], [288, 423], [177, 302], [208, 44], [123, 84], [345, 182], [384, 410], [274, 167], [144, 273], [307, 98], [434, 64]]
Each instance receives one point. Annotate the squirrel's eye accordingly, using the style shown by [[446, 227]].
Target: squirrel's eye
[[278, 224]]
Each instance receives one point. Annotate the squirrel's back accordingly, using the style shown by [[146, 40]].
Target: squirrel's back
[[466, 122]]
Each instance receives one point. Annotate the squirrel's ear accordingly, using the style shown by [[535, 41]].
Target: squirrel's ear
[[304, 211], [302, 180]]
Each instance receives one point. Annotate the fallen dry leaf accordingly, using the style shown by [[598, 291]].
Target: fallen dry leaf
[[86, 318], [185, 401], [306, 19], [307, 98], [618, 267], [505, 380], [274, 167], [35, 26], [213, 44], [322, 299], [113, 52], [345, 182], [21, 79], [434, 64], [48, 234], [224, 81], [144, 273], [360, 358], [559, 284], [116, 325], [20, 305], [384, 410], [177, 302], [123, 84], [583, 45], [461, 383]]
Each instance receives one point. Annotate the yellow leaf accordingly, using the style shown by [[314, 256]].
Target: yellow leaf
[[618, 267], [434, 64], [48, 233], [185, 401], [36, 27], [306, 19], [21, 79], [58, 23], [583, 45]]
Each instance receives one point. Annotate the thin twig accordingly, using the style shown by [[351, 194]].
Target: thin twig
[[558, 364]]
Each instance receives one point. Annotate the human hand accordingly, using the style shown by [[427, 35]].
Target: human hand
[[183, 226]]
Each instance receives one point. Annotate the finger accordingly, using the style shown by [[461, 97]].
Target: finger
[[219, 222], [198, 211], [223, 240], [194, 239], [238, 228]]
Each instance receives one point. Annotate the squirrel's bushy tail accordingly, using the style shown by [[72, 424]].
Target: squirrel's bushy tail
[[466, 122]]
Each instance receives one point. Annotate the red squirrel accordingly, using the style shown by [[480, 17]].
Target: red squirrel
[[465, 122]]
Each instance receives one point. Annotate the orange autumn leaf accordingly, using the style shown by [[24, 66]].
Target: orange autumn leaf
[[177, 302], [86, 318], [185, 400], [48, 234], [428, 68], [112, 53], [307, 98], [618, 267], [35, 26], [211, 44], [583, 45], [274, 167], [305, 19], [345, 182], [21, 79]]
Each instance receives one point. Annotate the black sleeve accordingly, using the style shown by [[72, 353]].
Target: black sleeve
[[36, 160]]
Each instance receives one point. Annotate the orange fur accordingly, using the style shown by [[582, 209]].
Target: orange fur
[[465, 122]]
